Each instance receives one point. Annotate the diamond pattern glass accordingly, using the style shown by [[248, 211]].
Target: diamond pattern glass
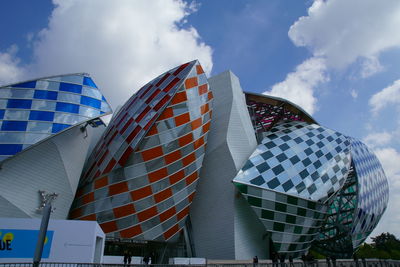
[[358, 207], [142, 175], [304, 160]]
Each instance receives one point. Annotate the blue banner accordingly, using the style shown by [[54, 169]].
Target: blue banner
[[16, 243]]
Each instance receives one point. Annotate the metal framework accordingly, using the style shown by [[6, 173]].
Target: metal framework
[[335, 235]]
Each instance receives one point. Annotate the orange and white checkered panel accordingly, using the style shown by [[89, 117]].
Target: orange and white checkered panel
[[149, 194]]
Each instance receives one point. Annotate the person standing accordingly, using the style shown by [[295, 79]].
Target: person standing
[[282, 260], [355, 258], [126, 256], [333, 260], [304, 259], [328, 261], [255, 261], [364, 263], [291, 261], [129, 258], [274, 259], [146, 260]]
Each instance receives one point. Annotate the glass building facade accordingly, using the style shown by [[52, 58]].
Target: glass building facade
[[310, 185], [358, 206], [301, 184], [294, 170], [142, 175], [34, 110]]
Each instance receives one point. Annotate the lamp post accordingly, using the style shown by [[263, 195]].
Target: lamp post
[[46, 209]]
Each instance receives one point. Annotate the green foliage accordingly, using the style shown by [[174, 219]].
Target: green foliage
[[384, 246], [316, 254]]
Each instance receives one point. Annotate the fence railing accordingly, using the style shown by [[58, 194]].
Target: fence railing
[[262, 263]]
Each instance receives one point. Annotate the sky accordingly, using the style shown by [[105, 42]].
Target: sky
[[338, 59]]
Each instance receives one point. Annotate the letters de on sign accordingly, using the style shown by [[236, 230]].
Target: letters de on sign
[[18, 243]]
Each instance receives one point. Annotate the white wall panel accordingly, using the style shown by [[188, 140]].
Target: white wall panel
[[53, 165], [231, 141]]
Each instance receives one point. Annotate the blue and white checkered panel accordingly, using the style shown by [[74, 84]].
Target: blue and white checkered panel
[[33, 110], [373, 193], [297, 158], [373, 190]]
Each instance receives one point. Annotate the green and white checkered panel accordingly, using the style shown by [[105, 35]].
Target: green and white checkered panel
[[293, 222], [299, 159]]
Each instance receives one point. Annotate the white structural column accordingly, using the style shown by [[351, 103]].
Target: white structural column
[[53, 165], [223, 224]]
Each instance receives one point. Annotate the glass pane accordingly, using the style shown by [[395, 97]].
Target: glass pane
[[32, 138], [43, 105], [41, 115], [88, 112], [10, 149], [14, 125], [17, 138], [43, 94], [5, 93], [67, 118], [43, 127], [3, 103], [19, 103], [72, 79], [43, 84], [67, 107], [88, 101], [69, 87], [73, 98], [21, 93], [16, 114], [91, 92]]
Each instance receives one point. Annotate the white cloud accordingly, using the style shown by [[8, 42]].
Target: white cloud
[[370, 66], [10, 71], [354, 93], [298, 86], [378, 139], [123, 44], [388, 95], [343, 31], [390, 159]]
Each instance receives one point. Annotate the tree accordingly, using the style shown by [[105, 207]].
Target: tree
[[386, 242], [384, 246]]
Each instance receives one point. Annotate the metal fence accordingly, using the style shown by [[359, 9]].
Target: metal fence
[[263, 263]]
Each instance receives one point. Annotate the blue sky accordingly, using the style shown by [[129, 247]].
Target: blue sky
[[338, 59]]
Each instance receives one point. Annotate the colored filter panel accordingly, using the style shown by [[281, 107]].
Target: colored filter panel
[[10, 149], [31, 84], [160, 172], [44, 104], [88, 101], [43, 94], [89, 82], [70, 87], [309, 161], [292, 222], [67, 107], [14, 125], [140, 112], [19, 103], [357, 208], [41, 115]]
